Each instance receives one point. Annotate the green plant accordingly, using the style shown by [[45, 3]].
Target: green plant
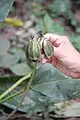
[[44, 86], [5, 6], [56, 17]]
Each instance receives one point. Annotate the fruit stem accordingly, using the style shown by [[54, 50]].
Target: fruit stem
[[14, 86]]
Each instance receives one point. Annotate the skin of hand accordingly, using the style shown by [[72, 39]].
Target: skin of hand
[[66, 58]]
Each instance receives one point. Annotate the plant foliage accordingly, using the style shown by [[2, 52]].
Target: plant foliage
[[49, 85]]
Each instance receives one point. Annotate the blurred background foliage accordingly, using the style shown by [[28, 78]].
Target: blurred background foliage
[[25, 18], [21, 21]]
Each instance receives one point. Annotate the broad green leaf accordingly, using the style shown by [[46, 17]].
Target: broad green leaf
[[29, 105], [46, 73], [75, 41], [8, 60], [56, 88], [60, 89], [52, 26], [60, 6], [53, 92], [50, 86], [19, 53], [4, 46], [5, 6], [47, 25], [49, 89], [21, 69]]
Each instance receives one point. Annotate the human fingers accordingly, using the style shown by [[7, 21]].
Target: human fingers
[[55, 39]]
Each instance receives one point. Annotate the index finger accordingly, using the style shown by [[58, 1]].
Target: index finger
[[54, 38]]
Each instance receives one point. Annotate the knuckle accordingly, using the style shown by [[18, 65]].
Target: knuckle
[[65, 38]]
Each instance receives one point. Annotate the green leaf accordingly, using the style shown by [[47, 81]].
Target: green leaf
[[78, 29], [8, 60], [72, 18], [46, 73], [59, 90], [30, 105], [54, 84], [47, 25], [52, 26], [19, 53], [75, 39], [21, 69], [4, 46], [60, 6], [5, 6], [50, 86], [34, 101]]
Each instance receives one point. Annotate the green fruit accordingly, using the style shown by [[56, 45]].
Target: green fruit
[[40, 41], [48, 48], [33, 50]]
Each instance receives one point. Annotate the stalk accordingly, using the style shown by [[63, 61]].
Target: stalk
[[14, 86], [11, 96]]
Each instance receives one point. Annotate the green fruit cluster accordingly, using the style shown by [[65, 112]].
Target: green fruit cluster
[[39, 46]]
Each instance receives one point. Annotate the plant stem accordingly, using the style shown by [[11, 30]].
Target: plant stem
[[32, 77], [14, 86], [29, 83], [26, 89], [11, 96]]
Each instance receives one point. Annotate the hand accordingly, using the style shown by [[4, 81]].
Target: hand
[[66, 58]]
